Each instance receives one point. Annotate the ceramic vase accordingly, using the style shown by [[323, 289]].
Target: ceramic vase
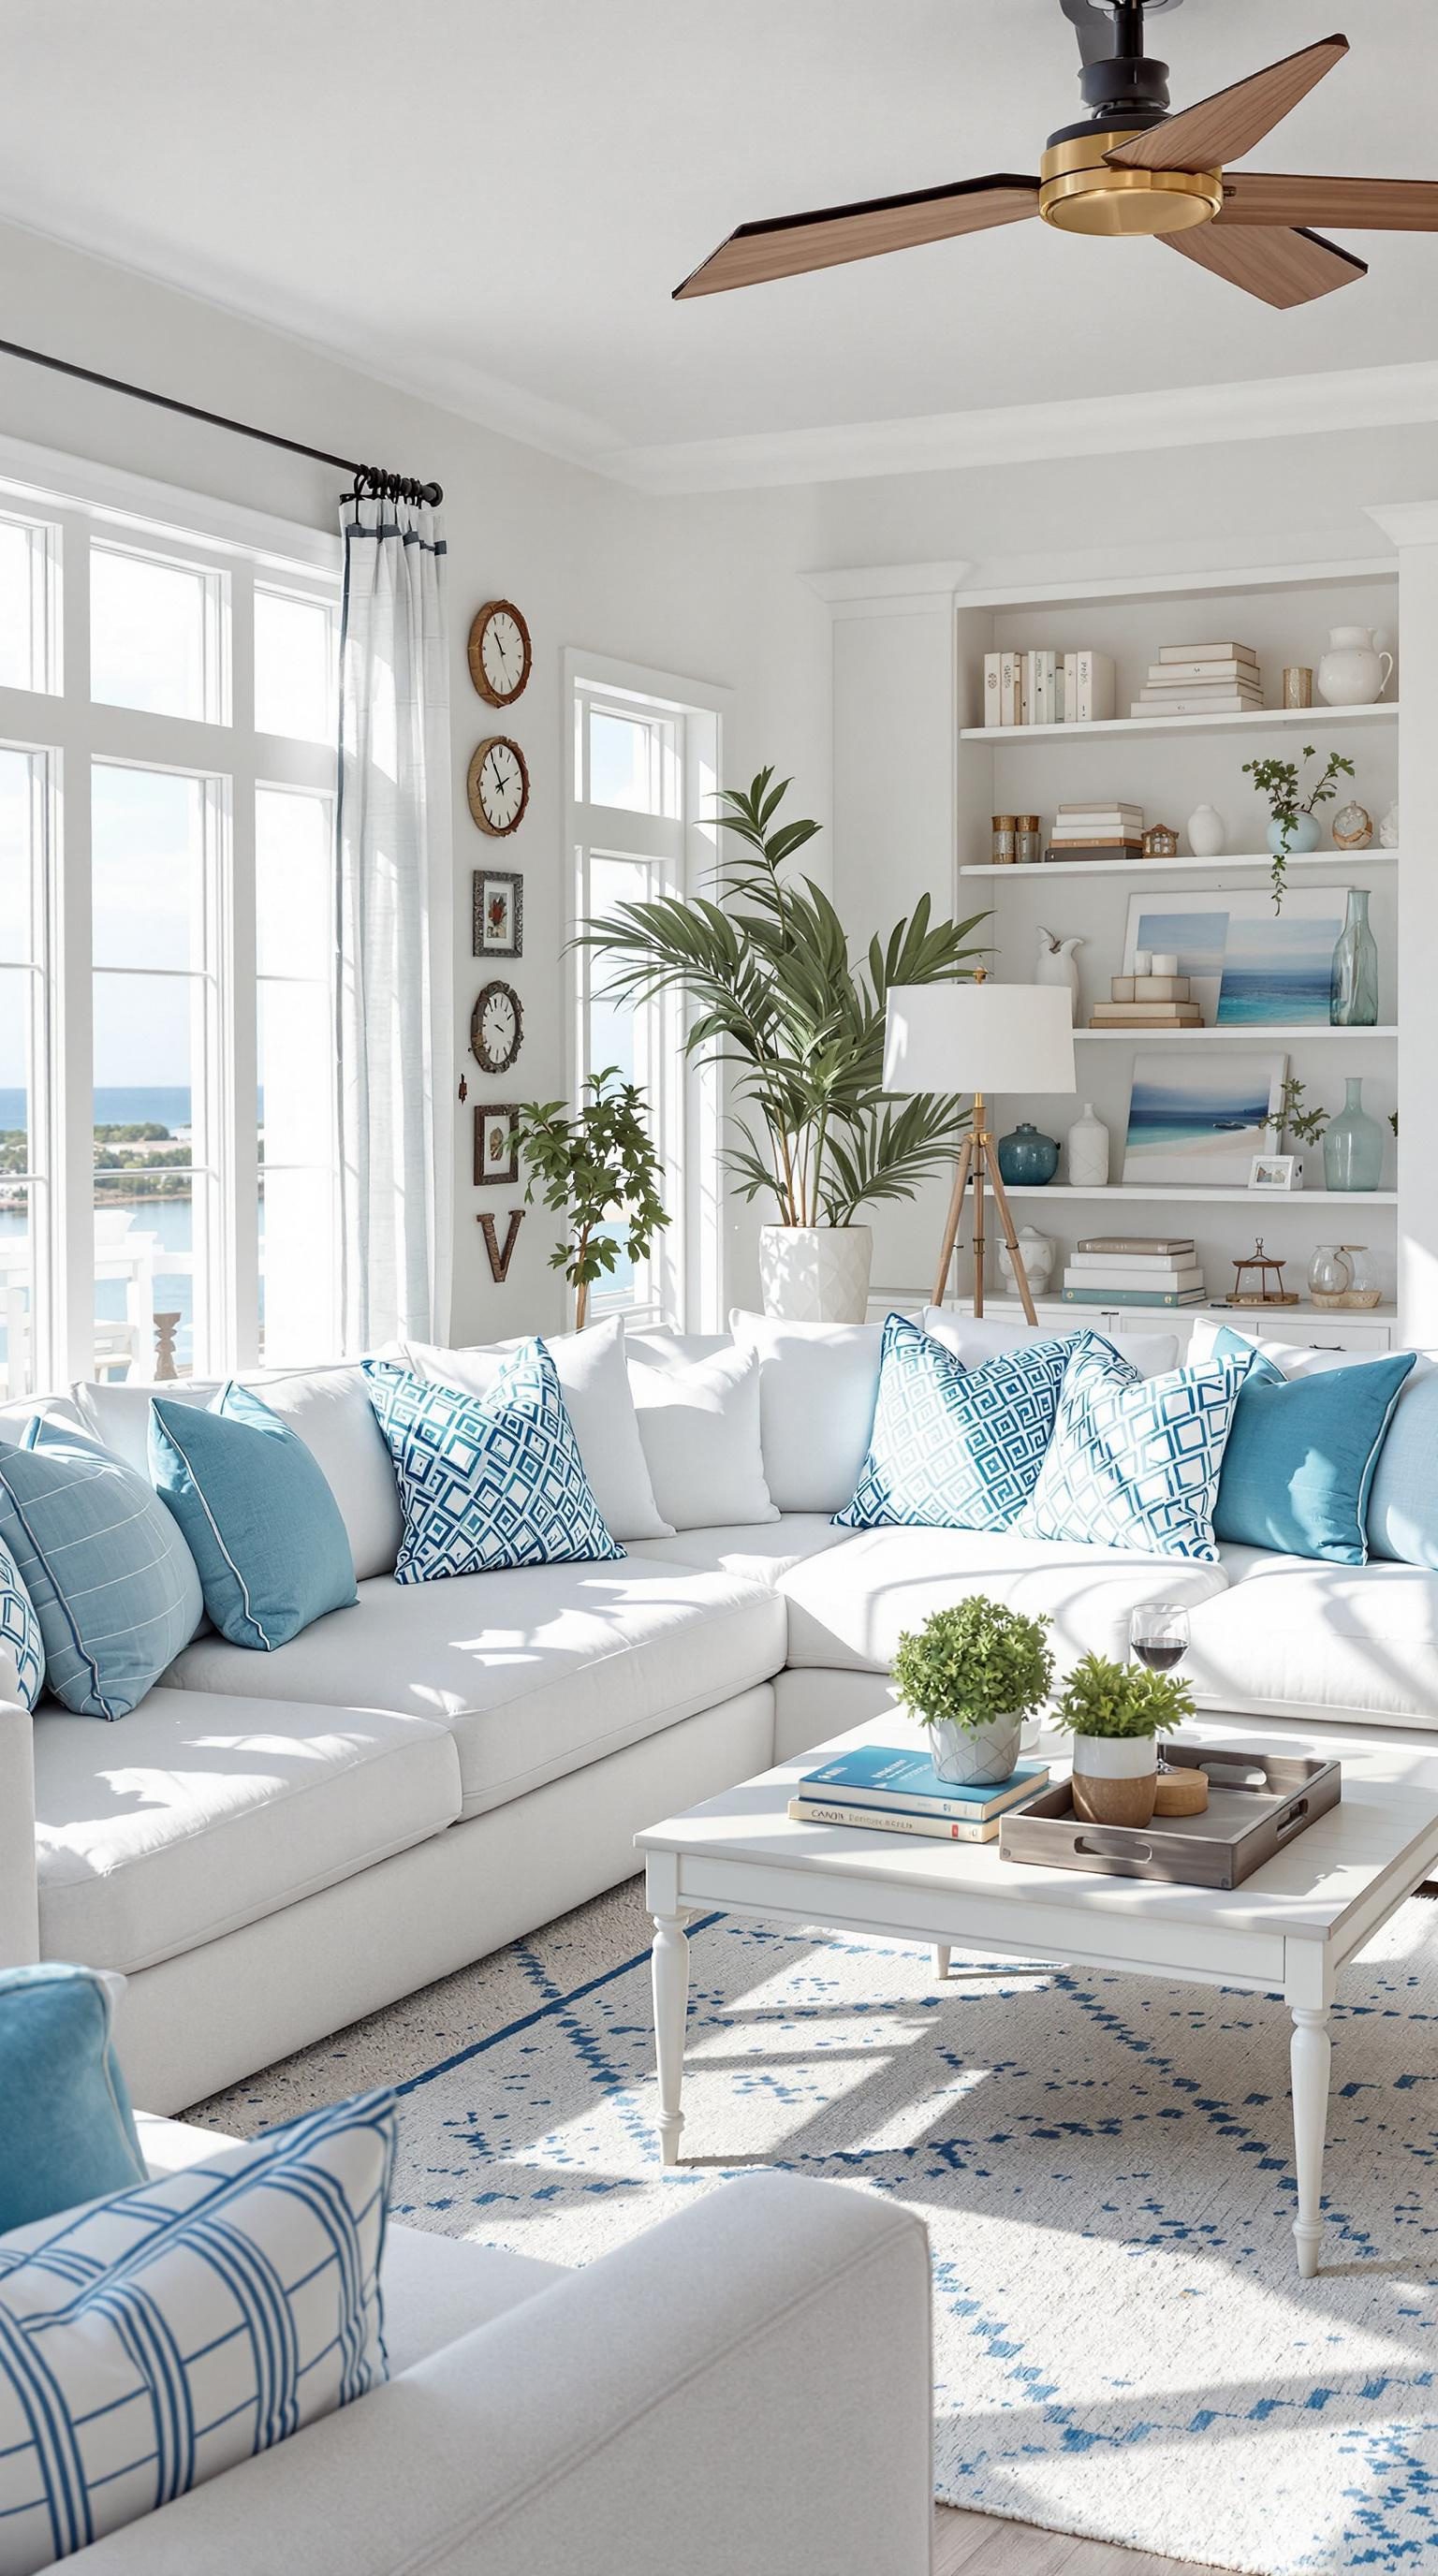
[[1352, 672], [1027, 1158], [1300, 836], [1207, 832], [1115, 1779], [975, 1755], [1088, 1144], [1057, 963], [1353, 1145], [1036, 1251], [816, 1274], [1353, 991]]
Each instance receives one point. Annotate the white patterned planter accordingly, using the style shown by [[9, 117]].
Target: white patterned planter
[[816, 1274], [975, 1755]]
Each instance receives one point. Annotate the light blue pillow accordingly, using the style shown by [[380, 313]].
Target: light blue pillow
[[68, 2133], [1301, 1455], [113, 1583], [956, 1448], [1134, 1462], [21, 1643], [257, 1514], [1403, 1503], [487, 1481]]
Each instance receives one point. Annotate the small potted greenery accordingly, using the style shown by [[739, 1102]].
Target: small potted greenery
[[601, 1173], [1114, 1712], [1294, 828], [971, 1675]]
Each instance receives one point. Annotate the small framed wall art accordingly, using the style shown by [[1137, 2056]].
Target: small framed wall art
[[498, 912], [496, 1145], [1274, 1175]]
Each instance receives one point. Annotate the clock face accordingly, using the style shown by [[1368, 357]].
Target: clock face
[[499, 653], [498, 786], [496, 1030]]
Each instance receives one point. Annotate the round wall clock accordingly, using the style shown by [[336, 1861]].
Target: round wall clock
[[498, 786], [496, 1028], [499, 653]]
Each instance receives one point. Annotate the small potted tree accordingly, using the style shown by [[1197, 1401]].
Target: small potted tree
[[1115, 1712], [600, 1172], [971, 1675]]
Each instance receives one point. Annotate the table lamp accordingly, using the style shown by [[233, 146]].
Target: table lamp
[[983, 1038]]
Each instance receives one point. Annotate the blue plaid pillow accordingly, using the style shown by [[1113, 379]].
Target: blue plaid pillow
[[487, 1481], [957, 1448], [1134, 1462]]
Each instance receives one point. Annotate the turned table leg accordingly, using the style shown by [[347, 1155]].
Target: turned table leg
[[671, 2005], [1309, 2060], [941, 1958]]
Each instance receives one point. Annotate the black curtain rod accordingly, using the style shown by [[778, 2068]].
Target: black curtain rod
[[370, 481]]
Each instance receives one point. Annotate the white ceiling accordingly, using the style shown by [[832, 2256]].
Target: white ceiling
[[492, 202]]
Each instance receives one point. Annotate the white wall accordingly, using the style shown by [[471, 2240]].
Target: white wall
[[702, 589]]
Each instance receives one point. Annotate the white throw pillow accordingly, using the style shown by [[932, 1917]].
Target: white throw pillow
[[328, 1408], [818, 1384], [594, 1382], [976, 1340], [699, 1422]]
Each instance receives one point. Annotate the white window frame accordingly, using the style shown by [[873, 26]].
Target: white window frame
[[687, 1267], [237, 550]]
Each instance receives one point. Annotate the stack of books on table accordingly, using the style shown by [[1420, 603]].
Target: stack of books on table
[[1104, 831], [1134, 1270], [1201, 680], [1148, 1002], [888, 1789]]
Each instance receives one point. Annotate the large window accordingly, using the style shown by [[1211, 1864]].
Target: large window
[[167, 763], [644, 759]]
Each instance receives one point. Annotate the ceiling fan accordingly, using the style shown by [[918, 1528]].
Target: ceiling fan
[[1131, 167]]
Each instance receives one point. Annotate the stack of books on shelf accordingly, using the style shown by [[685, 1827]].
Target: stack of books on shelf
[[886, 1789], [1148, 1002], [1111, 830], [1134, 1270], [1202, 680], [1040, 688]]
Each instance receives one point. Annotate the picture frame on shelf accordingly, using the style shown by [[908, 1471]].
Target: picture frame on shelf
[[1275, 1175], [1199, 1120], [498, 912], [496, 1144], [1247, 966]]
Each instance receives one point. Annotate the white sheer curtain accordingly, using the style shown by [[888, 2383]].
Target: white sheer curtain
[[393, 847]]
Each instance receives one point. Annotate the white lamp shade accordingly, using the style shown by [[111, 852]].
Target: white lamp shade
[[979, 1037]]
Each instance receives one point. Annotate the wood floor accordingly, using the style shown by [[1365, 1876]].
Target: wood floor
[[982, 2546]]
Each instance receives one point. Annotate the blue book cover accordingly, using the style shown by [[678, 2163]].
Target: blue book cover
[[887, 1775]]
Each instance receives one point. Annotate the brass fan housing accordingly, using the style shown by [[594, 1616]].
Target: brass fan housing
[[1081, 193]]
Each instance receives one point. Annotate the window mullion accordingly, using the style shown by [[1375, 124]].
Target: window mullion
[[72, 996], [239, 1144]]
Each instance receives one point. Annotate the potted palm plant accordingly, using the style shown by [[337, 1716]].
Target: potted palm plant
[[763, 961]]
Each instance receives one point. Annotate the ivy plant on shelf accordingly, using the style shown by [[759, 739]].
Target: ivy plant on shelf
[[1294, 828], [600, 1172]]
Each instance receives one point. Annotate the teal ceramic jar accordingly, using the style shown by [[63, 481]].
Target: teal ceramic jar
[[1027, 1157]]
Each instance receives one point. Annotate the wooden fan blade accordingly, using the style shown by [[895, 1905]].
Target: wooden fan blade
[[1224, 127], [792, 243], [1281, 268], [1369, 205]]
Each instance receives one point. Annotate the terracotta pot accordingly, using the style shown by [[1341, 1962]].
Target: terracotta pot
[[1115, 1779]]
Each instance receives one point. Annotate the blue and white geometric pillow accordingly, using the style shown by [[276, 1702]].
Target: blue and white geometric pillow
[[1134, 1462], [487, 1481], [163, 2334], [957, 1448], [22, 1648]]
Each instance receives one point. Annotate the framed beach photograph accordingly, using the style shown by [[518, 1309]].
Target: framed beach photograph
[[1193, 928], [496, 1145], [1276, 1174], [1248, 966], [498, 912], [1197, 1121]]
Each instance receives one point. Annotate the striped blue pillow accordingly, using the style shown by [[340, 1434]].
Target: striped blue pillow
[[21, 1644], [152, 2339], [113, 1583]]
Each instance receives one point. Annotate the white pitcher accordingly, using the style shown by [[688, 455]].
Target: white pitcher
[[1353, 672], [1057, 963]]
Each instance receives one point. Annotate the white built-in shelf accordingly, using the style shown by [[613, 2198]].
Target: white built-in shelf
[[1257, 719], [1200, 1197], [1053, 869], [1242, 1034]]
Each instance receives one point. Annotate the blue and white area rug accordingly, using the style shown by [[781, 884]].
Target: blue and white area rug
[[1123, 2347]]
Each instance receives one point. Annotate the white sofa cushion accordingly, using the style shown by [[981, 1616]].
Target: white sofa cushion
[[535, 1671], [200, 1813], [849, 1607], [760, 1554], [594, 1381], [329, 1409], [817, 1388], [1294, 1638], [976, 1339], [700, 1424]]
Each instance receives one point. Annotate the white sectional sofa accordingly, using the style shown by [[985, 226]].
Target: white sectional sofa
[[273, 1844]]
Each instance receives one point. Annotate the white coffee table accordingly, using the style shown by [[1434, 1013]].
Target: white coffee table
[[1287, 1930]]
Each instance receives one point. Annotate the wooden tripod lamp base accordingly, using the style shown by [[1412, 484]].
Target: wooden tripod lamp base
[[978, 1162]]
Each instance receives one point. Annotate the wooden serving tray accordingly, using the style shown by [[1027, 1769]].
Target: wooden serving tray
[[1257, 1803]]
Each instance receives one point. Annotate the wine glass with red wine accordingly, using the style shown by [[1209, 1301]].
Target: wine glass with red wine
[[1158, 1634]]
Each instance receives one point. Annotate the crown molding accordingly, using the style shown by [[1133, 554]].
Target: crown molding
[[1406, 523], [1036, 433], [888, 590]]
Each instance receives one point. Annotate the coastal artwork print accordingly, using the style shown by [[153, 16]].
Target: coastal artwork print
[[1185, 927], [1198, 1120], [1277, 967]]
